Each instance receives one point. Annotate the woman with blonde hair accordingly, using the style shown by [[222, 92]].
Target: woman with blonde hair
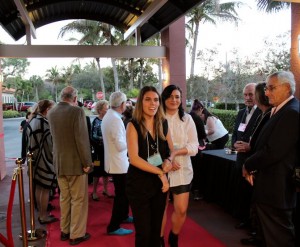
[[98, 146]]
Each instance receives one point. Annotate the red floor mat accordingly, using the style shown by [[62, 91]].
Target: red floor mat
[[192, 234]]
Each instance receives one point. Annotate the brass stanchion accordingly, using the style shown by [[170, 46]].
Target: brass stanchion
[[33, 234], [22, 203]]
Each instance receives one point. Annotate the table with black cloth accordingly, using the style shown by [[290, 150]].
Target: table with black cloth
[[220, 178]]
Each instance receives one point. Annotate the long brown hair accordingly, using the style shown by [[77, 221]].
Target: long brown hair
[[42, 106], [159, 118]]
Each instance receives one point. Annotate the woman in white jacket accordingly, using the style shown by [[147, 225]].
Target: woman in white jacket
[[185, 141]]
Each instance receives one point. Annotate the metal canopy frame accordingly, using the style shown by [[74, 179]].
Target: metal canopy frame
[[80, 51]]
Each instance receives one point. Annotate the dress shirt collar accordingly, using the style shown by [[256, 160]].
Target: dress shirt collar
[[116, 113], [277, 108]]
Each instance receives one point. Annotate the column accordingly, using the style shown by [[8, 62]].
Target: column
[[174, 66]]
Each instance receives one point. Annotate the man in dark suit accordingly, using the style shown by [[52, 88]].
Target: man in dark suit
[[270, 168], [72, 161], [243, 129]]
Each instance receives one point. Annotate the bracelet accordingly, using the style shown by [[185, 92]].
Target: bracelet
[[169, 160], [160, 174]]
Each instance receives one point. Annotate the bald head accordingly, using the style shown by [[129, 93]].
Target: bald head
[[249, 94], [68, 94]]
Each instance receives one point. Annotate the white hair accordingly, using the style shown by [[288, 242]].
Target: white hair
[[285, 77], [116, 99]]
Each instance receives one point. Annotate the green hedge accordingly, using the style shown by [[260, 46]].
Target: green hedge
[[230, 106], [11, 114], [227, 117]]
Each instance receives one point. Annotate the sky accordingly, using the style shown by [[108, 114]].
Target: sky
[[247, 37]]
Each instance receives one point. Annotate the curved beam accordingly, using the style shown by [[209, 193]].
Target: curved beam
[[37, 5]]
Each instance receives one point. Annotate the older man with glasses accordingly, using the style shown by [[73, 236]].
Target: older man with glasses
[[270, 168], [242, 132]]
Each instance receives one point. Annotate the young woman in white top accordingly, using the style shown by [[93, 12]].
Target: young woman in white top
[[185, 142], [216, 133]]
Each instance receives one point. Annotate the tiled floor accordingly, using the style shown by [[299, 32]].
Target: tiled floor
[[208, 215]]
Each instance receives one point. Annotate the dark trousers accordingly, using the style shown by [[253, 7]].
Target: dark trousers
[[243, 191], [296, 220], [219, 143], [276, 226], [148, 213], [121, 205]]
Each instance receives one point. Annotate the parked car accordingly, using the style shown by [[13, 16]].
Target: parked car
[[8, 106], [24, 106]]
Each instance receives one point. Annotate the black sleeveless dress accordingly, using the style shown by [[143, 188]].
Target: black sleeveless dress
[[141, 183]]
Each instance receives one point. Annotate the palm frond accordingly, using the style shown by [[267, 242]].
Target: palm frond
[[270, 6]]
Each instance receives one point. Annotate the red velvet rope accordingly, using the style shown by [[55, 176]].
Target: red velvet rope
[[9, 242]]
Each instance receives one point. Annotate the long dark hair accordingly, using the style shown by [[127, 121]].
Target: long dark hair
[[260, 94], [138, 113], [197, 105], [42, 106], [167, 93]]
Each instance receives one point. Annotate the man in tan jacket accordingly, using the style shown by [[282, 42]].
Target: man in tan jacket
[[72, 160]]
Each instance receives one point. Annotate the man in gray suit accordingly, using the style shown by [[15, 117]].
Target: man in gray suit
[[72, 160]]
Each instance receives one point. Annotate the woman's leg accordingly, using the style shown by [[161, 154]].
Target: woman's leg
[[105, 186], [180, 202], [95, 185], [42, 197]]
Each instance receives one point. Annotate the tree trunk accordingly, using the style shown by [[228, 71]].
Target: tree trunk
[[100, 76], [36, 94], [131, 71], [141, 73], [56, 93], [160, 79], [116, 78], [194, 50]]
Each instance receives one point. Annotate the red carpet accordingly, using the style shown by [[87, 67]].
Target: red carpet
[[99, 215]]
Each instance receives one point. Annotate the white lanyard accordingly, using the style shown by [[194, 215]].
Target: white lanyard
[[148, 144]]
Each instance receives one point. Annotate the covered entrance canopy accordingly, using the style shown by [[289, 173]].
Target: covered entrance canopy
[[150, 16], [142, 18]]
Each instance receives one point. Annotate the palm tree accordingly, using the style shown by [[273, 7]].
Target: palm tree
[[53, 76], [208, 11], [94, 33], [36, 81], [270, 6]]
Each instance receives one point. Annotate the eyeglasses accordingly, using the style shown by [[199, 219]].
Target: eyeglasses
[[270, 88]]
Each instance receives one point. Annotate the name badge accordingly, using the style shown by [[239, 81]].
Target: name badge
[[242, 127], [97, 163], [155, 159]]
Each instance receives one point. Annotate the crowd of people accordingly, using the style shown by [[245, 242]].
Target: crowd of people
[[152, 152]]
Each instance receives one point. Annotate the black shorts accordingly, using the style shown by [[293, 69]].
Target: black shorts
[[180, 189]]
